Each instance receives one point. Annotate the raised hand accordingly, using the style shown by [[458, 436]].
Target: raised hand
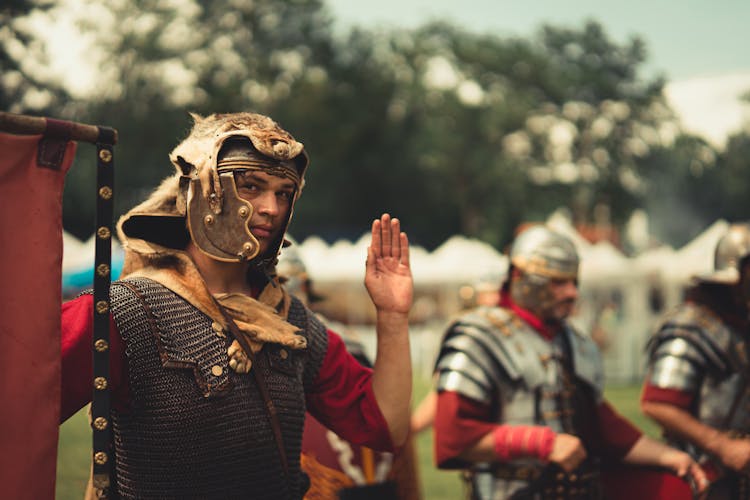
[[387, 271]]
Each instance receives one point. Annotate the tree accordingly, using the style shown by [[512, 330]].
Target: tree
[[454, 131], [23, 87], [504, 130], [156, 61], [683, 195]]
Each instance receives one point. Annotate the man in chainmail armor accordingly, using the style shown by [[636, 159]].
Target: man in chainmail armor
[[213, 363], [520, 404], [696, 387]]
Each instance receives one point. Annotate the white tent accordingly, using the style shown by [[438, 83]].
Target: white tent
[[603, 261], [74, 256], [462, 260], [697, 256], [458, 260]]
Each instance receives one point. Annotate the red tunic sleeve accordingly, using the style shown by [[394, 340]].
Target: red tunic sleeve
[[459, 423], [343, 400], [681, 399], [77, 351], [618, 435]]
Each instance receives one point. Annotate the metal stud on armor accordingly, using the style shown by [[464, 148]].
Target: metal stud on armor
[[184, 403]]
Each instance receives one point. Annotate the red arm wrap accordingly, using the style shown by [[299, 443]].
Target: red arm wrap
[[516, 441]]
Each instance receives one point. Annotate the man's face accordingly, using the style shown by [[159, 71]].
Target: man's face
[[551, 300], [561, 299], [271, 198]]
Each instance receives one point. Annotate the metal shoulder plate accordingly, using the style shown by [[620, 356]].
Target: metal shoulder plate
[[694, 333], [587, 359], [676, 364], [484, 348]]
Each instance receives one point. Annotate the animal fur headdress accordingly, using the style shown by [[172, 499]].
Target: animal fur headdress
[[157, 227]]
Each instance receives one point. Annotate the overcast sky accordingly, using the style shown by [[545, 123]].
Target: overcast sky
[[701, 46], [685, 37]]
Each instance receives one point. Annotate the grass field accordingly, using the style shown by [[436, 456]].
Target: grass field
[[75, 444]]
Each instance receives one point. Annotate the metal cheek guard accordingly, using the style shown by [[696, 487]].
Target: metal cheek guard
[[224, 236]]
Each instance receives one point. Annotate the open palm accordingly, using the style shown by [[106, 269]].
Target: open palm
[[387, 272]]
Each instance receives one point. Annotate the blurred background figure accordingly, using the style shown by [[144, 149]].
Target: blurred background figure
[[338, 468], [484, 292], [696, 387], [520, 402], [487, 289]]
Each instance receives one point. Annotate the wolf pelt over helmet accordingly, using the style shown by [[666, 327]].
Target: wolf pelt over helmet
[[202, 196]]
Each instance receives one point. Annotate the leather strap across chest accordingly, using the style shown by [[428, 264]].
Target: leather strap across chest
[[270, 407]]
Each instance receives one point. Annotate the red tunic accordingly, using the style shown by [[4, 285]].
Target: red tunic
[[342, 396], [654, 394], [461, 422]]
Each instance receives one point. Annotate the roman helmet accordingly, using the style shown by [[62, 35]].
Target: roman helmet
[[731, 249], [200, 203], [541, 255]]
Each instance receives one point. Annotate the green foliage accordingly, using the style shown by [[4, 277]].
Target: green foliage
[[733, 180], [693, 185], [453, 131], [19, 88], [683, 191]]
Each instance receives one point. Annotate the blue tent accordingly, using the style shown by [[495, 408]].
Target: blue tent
[[74, 281]]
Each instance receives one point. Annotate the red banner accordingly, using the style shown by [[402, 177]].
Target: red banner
[[30, 297]]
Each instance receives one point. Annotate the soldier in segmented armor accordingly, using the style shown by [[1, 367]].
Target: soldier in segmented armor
[[520, 403], [697, 386], [213, 363]]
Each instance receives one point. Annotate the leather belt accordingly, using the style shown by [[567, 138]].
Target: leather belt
[[553, 482]]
